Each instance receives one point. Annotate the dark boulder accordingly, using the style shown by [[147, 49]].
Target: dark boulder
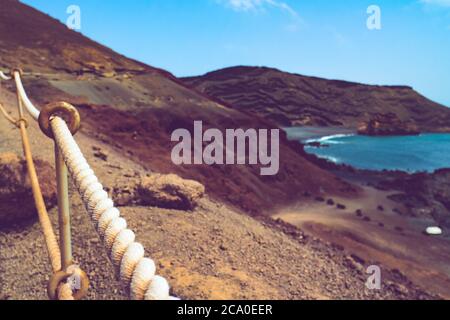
[[16, 197]]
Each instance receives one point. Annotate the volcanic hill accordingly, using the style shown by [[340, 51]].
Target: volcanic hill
[[295, 100], [227, 248]]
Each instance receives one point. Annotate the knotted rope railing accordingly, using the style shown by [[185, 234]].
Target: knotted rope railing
[[63, 291], [136, 272]]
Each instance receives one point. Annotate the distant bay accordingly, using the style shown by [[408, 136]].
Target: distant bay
[[426, 152]]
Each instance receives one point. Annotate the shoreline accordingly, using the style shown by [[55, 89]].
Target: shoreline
[[385, 224], [422, 194], [313, 133], [360, 152]]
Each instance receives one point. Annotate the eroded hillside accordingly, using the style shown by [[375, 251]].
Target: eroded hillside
[[291, 99]]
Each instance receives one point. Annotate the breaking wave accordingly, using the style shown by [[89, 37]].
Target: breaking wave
[[330, 139]]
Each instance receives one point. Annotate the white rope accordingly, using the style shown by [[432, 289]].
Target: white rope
[[136, 271], [4, 76], [32, 110]]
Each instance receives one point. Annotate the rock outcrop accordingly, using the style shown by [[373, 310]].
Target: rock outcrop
[[387, 125], [16, 198], [158, 190], [170, 191], [423, 195]]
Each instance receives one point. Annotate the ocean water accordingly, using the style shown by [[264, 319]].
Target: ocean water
[[426, 152]]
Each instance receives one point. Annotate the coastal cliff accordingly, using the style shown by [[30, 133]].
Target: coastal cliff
[[387, 125], [289, 99]]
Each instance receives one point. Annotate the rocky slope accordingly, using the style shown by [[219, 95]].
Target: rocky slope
[[137, 107], [424, 195], [128, 113], [212, 252], [291, 99]]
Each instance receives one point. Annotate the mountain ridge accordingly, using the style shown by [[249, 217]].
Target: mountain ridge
[[290, 99]]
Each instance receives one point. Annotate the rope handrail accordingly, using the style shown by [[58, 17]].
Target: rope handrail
[[8, 117], [64, 291], [32, 110], [4, 76], [137, 272], [16, 75]]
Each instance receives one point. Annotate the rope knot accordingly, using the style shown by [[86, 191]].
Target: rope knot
[[69, 284]]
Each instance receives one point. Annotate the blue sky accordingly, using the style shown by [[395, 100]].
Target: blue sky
[[313, 37]]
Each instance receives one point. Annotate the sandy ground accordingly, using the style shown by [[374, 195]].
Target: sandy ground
[[380, 236]]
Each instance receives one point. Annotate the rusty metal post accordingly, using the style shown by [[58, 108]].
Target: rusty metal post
[[65, 233]]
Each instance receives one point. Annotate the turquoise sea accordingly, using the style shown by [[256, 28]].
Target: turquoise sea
[[426, 152]]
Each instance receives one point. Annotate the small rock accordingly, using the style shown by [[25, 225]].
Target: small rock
[[380, 208], [400, 289], [170, 191], [354, 264], [330, 202], [108, 74], [124, 197], [320, 199], [4, 296], [433, 231], [98, 153], [341, 206]]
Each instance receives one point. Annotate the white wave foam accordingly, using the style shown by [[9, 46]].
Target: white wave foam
[[329, 158], [329, 139]]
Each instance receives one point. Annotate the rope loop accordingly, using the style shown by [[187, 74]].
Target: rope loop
[[5, 77], [18, 121], [74, 277], [17, 69], [61, 109]]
